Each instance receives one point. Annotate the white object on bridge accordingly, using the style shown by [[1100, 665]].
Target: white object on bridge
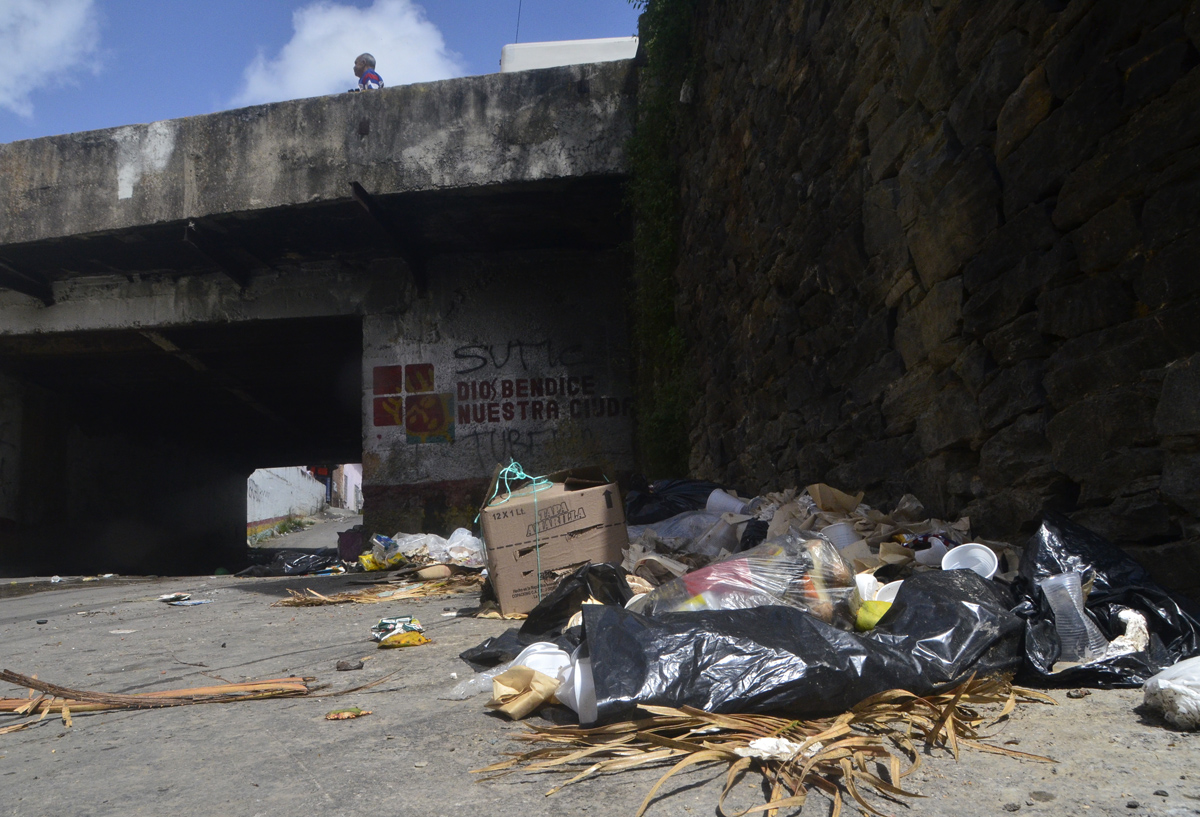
[[527, 56]]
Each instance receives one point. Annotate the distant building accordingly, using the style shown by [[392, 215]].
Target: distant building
[[527, 56]]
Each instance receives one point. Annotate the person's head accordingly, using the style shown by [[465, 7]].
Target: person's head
[[362, 63]]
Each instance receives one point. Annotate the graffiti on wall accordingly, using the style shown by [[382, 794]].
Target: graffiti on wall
[[496, 398]]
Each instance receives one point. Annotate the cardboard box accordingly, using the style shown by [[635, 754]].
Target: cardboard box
[[539, 536]]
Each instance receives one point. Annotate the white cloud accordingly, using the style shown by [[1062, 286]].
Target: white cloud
[[319, 59], [43, 44]]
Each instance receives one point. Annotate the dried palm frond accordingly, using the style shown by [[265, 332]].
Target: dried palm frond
[[63, 700], [793, 756], [458, 583]]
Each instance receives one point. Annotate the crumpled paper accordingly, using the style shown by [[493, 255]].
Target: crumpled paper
[[520, 690]]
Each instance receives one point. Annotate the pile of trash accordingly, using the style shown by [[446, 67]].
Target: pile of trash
[[463, 551], [822, 622], [807, 603]]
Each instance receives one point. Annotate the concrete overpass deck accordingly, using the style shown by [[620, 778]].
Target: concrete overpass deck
[[222, 288]]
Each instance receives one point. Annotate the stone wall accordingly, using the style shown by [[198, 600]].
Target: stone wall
[[948, 247]]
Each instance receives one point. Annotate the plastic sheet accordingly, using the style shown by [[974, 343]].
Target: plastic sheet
[[666, 498], [942, 627], [805, 573], [678, 533], [1118, 585]]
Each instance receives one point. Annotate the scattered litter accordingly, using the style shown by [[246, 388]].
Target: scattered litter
[[458, 583], [189, 602], [169, 597], [121, 632], [346, 714], [55, 579], [42, 620], [399, 631]]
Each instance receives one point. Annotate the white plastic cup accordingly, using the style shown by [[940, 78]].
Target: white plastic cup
[[888, 591], [972, 556], [721, 502], [841, 534]]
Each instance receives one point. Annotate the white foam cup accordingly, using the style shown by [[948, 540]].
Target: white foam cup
[[972, 556], [721, 502]]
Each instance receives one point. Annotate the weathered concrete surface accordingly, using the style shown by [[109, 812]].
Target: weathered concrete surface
[[413, 756], [472, 132]]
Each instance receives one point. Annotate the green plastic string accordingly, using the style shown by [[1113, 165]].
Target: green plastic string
[[514, 473]]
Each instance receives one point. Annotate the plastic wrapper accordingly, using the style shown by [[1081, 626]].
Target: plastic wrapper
[[399, 631], [464, 548], [680, 533], [941, 628], [666, 498], [385, 553], [808, 574], [1115, 587]]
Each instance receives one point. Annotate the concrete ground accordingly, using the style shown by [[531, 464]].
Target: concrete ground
[[414, 754]]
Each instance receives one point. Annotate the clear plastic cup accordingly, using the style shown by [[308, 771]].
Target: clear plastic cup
[[1079, 638]]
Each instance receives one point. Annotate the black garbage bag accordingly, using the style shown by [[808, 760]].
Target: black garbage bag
[[501, 649], [603, 582], [547, 622], [295, 563], [941, 628], [666, 498], [1118, 584]]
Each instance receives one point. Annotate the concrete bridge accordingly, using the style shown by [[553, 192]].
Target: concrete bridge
[[429, 278]]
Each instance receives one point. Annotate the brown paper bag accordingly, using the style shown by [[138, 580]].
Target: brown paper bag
[[831, 499]]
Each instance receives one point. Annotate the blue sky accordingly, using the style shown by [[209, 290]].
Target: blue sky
[[75, 65]]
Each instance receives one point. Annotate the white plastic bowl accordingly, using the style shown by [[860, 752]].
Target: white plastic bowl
[[972, 556]]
